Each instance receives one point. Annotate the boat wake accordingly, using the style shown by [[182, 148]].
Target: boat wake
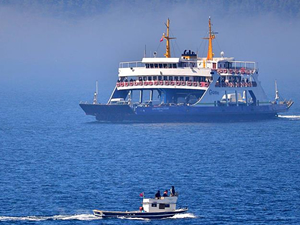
[[81, 217], [183, 215], [290, 117], [178, 216]]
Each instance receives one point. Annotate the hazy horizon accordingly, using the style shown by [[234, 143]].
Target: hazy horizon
[[55, 44]]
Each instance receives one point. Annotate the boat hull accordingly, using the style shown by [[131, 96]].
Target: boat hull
[[138, 214], [184, 113]]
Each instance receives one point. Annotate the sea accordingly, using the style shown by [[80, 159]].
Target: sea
[[57, 164]]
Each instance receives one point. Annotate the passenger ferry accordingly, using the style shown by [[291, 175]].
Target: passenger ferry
[[187, 89]]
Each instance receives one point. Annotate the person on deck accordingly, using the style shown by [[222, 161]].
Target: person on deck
[[157, 195], [172, 191], [165, 193]]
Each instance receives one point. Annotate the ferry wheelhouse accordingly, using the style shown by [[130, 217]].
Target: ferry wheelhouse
[[187, 89]]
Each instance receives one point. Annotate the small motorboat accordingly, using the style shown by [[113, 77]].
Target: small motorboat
[[152, 208]]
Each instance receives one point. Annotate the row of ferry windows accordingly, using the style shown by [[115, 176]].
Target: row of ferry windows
[[170, 78], [170, 65], [160, 65]]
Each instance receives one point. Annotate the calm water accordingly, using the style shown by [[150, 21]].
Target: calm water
[[57, 165]]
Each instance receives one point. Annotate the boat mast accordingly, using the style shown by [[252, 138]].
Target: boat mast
[[168, 38], [210, 53], [96, 93], [276, 92]]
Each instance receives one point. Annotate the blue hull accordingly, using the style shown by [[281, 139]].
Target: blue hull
[[152, 114]]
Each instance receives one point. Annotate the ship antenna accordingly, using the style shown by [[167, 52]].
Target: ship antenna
[[168, 38], [276, 92], [211, 36]]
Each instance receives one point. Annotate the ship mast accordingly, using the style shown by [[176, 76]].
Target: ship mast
[[210, 53], [276, 92], [168, 38]]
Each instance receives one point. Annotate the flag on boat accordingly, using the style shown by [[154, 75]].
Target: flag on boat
[[142, 194], [162, 38]]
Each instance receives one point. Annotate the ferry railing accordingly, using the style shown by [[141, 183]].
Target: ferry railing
[[162, 65], [243, 64], [238, 67], [163, 83], [131, 64]]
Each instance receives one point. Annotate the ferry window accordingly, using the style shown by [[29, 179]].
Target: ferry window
[[149, 78], [155, 78], [151, 65], [165, 65], [154, 205], [181, 78], [165, 78], [174, 65], [176, 78], [160, 65], [159, 77], [162, 206], [156, 65], [147, 65], [169, 65], [167, 205], [170, 78], [144, 78], [187, 78]]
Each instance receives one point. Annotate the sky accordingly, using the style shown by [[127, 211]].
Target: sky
[[55, 43]]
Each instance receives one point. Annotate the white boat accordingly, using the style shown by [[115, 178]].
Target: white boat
[[152, 208]]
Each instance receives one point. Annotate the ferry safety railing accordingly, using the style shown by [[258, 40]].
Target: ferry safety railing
[[131, 64], [166, 83], [246, 65]]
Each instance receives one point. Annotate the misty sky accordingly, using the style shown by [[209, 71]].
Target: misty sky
[[60, 42]]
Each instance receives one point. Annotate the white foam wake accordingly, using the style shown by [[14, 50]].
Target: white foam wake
[[291, 117], [183, 215], [56, 217]]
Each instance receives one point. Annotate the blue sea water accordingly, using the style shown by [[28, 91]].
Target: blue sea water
[[57, 165]]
